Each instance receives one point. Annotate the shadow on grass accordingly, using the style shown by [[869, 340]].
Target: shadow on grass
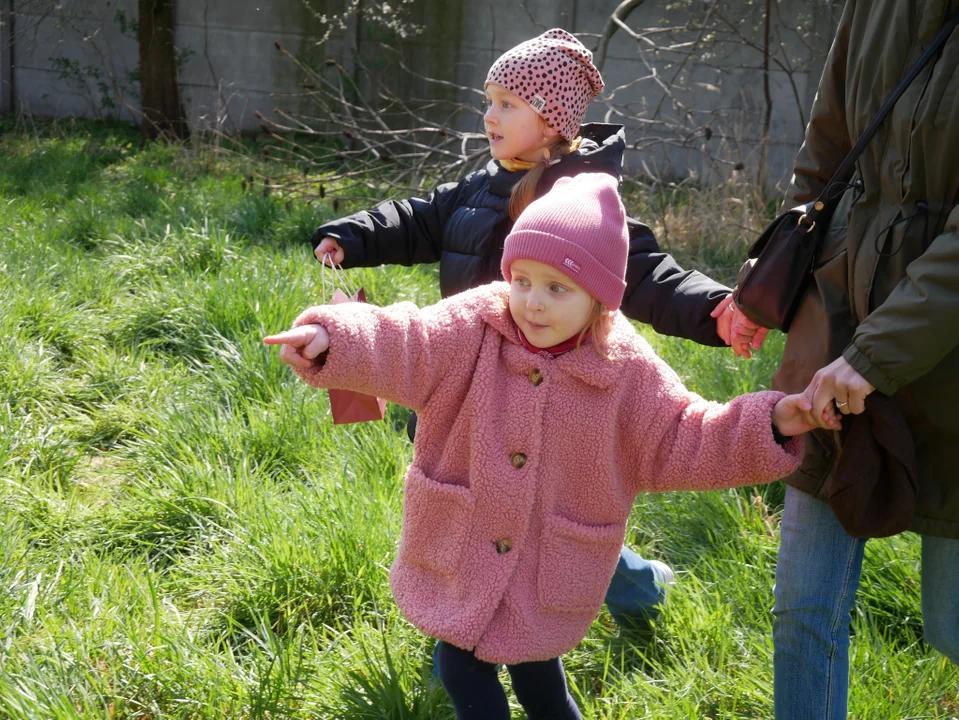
[[385, 689], [168, 325], [163, 529], [55, 168], [889, 597], [634, 648], [288, 600]]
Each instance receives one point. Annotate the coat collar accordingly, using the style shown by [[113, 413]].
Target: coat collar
[[601, 150], [584, 363]]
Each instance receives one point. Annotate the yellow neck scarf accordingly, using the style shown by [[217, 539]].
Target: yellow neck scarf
[[515, 165]]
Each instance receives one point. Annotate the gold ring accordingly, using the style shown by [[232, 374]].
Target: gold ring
[[840, 404]]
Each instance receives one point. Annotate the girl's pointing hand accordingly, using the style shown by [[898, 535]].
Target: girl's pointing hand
[[302, 345]]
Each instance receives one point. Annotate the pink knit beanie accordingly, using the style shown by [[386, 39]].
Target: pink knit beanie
[[579, 228], [554, 74]]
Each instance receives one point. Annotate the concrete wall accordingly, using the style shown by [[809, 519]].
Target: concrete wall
[[57, 72], [82, 60], [724, 91]]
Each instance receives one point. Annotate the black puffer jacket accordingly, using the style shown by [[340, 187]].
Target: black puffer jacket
[[463, 225]]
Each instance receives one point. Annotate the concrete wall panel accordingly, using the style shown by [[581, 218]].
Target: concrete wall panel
[[75, 66], [283, 16], [51, 96], [65, 62]]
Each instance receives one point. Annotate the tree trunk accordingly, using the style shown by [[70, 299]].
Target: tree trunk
[[619, 15], [767, 94], [163, 113], [8, 96]]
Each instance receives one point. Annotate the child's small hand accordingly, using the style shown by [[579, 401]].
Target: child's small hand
[[301, 345], [792, 416], [736, 330], [329, 247]]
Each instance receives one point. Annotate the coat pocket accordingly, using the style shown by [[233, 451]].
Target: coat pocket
[[436, 519], [576, 563]]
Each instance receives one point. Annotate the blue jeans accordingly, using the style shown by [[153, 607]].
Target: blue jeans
[[817, 576], [636, 591]]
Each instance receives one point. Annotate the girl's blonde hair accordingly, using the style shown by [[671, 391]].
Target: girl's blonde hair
[[524, 192], [598, 327]]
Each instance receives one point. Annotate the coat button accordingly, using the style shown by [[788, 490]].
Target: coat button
[[503, 546], [517, 460], [535, 377]]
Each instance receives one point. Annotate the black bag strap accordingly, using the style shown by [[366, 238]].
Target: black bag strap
[[845, 169]]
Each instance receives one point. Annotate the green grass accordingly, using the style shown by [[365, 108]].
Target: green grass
[[185, 534]]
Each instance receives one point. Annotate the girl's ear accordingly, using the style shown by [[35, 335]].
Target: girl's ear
[[549, 132], [603, 310]]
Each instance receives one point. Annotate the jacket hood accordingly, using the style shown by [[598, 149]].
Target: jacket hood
[[601, 150]]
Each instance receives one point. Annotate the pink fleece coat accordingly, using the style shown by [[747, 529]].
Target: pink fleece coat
[[526, 466]]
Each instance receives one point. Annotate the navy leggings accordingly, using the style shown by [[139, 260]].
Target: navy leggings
[[476, 692]]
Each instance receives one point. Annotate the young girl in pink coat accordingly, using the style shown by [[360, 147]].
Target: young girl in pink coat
[[537, 97], [542, 415]]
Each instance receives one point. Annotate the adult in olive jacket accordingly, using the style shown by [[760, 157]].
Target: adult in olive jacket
[[882, 314]]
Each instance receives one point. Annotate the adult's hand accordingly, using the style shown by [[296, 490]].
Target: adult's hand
[[838, 382], [724, 318]]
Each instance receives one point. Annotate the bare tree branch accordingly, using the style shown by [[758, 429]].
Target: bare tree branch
[[349, 130], [615, 20], [353, 136]]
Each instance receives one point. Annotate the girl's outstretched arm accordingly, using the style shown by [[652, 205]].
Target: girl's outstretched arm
[[676, 440], [401, 352], [396, 232], [660, 293]]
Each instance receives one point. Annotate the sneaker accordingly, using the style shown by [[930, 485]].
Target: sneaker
[[664, 573]]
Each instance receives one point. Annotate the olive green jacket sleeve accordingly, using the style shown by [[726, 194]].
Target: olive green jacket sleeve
[[918, 324]]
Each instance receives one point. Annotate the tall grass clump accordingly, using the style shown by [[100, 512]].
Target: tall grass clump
[[708, 227], [185, 534]]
